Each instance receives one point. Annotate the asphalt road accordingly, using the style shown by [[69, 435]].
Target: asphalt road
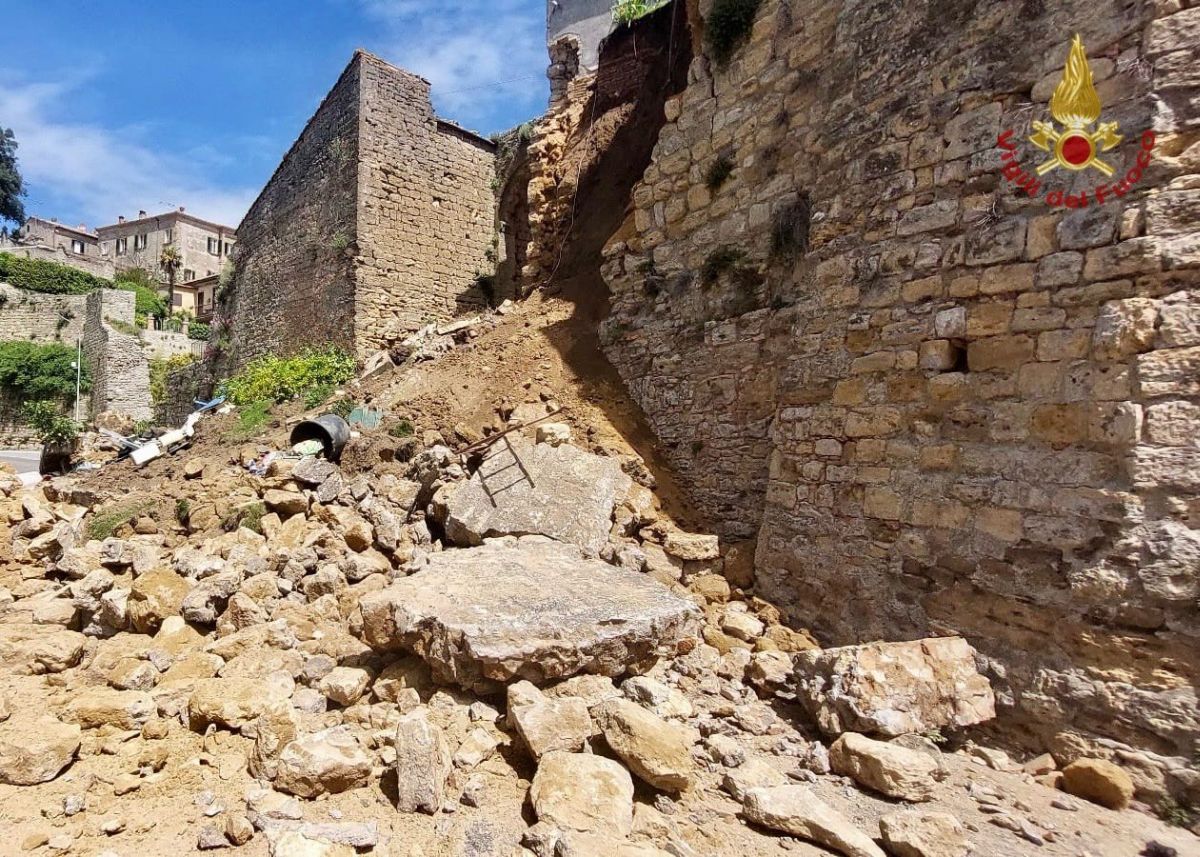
[[24, 460]]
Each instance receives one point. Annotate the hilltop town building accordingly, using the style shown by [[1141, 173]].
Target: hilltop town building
[[203, 245], [49, 240], [379, 220]]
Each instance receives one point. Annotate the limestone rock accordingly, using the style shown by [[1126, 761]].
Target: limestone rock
[[894, 688], [656, 751], [293, 843], [547, 725], [526, 609], [122, 709], [153, 597], [558, 491], [691, 546], [36, 650], [476, 748], [326, 761], [923, 834], [423, 764], [886, 768], [285, 502], [754, 773], [35, 749], [576, 791], [230, 702], [345, 685], [1099, 781], [798, 812]]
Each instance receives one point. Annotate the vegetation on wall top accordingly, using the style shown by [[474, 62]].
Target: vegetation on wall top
[[628, 11], [147, 302], [38, 275], [728, 26], [281, 379], [32, 371]]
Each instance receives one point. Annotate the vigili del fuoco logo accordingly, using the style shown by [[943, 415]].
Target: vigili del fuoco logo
[[1074, 142]]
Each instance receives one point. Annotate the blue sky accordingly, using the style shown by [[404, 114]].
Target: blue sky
[[122, 106]]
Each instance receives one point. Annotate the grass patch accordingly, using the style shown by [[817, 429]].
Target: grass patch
[[104, 524], [402, 429], [249, 516], [727, 28], [251, 419], [316, 396], [718, 173], [183, 510], [1174, 814]]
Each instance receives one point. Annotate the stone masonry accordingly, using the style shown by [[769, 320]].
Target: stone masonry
[[377, 222], [119, 367], [942, 405]]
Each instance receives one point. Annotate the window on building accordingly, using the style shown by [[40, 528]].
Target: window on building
[[188, 275], [122, 246], [214, 246], [77, 246], [139, 242], [228, 248], [168, 236], [177, 300]]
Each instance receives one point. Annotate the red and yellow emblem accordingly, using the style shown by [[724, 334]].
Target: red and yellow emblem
[[1076, 106]]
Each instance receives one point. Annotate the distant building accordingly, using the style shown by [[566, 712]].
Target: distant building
[[49, 240], [584, 23], [203, 245], [197, 297]]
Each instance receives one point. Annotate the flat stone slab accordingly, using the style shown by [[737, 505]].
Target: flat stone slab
[[528, 608], [520, 488]]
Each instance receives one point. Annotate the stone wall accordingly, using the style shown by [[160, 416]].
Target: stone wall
[[377, 222], [37, 317], [426, 210], [117, 360], [293, 282], [942, 405]]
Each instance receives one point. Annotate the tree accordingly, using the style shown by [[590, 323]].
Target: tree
[[12, 188], [170, 261]]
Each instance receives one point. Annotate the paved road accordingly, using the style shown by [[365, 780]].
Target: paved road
[[24, 460]]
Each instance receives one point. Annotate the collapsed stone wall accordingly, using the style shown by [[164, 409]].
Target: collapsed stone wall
[[377, 222], [941, 404], [117, 361]]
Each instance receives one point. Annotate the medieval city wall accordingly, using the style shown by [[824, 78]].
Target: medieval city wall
[[426, 211], [294, 269], [940, 404]]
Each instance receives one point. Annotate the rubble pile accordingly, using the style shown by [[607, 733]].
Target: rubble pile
[[510, 651]]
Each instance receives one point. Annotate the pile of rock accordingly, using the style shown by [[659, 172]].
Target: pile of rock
[[443, 630]]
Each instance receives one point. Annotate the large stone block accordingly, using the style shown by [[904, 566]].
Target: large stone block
[[894, 688], [521, 487], [527, 609]]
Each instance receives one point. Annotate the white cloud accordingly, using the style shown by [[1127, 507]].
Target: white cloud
[[96, 172], [483, 59]]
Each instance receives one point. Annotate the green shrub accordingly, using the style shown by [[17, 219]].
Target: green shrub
[[727, 26], [343, 408], [628, 11], [281, 379], [249, 517], [199, 331], [183, 510], [147, 302], [51, 425], [32, 371], [316, 396], [1173, 813], [38, 275], [718, 173], [402, 429], [160, 369]]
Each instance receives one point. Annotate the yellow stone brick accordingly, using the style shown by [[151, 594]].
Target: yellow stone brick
[[1003, 524]]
